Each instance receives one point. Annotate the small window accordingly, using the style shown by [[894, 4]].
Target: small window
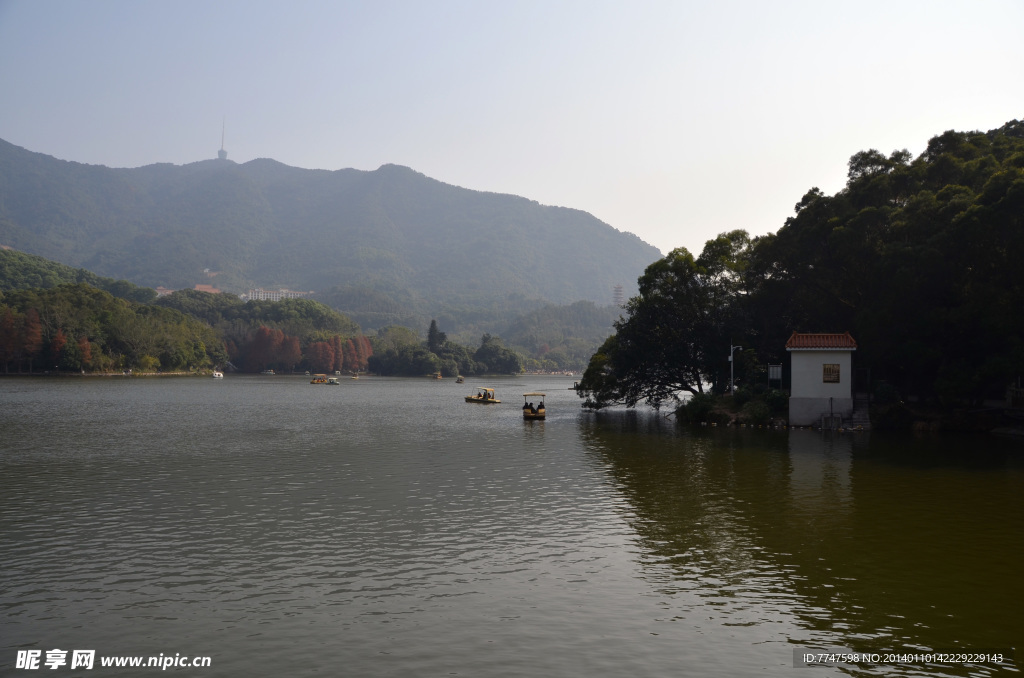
[[831, 373]]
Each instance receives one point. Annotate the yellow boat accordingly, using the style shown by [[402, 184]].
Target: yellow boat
[[531, 411], [484, 396], [323, 379]]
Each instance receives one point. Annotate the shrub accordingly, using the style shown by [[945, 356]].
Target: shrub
[[777, 401], [700, 408], [741, 397], [891, 417], [148, 363], [756, 412], [886, 394]]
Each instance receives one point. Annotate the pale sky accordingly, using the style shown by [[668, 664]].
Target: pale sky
[[674, 120]]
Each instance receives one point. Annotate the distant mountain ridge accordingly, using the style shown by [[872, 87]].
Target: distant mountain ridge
[[425, 244]]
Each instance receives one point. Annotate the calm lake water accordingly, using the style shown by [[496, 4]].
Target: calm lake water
[[384, 527]]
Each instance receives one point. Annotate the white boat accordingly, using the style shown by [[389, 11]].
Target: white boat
[[218, 375]]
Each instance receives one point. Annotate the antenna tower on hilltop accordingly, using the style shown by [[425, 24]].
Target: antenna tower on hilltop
[[222, 154]]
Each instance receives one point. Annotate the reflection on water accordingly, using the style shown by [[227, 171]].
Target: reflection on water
[[385, 527], [865, 542]]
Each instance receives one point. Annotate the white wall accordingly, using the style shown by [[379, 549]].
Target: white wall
[[807, 374]]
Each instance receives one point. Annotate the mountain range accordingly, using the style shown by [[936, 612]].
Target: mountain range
[[382, 246]]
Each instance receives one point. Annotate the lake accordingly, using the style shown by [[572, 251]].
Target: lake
[[385, 527]]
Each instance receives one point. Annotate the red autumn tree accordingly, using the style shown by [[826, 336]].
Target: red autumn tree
[[339, 357], [57, 345], [85, 351], [321, 356], [9, 338], [291, 354], [364, 341], [265, 349], [351, 357]]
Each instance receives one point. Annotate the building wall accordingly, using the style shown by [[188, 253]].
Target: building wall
[[807, 374], [808, 411], [810, 395]]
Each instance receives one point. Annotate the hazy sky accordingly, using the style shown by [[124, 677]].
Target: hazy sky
[[674, 120]]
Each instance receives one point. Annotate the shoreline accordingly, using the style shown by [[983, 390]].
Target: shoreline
[[86, 375]]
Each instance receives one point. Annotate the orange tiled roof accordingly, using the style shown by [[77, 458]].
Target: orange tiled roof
[[819, 342]]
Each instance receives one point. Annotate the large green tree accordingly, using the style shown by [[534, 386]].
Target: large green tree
[[495, 358], [676, 331], [435, 338]]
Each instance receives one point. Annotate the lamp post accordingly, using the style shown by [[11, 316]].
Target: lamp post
[[732, 363]]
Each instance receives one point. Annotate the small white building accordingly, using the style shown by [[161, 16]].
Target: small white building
[[822, 377]]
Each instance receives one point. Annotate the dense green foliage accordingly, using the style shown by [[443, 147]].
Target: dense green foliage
[[549, 338], [558, 338], [398, 352], [667, 342], [919, 259], [81, 328], [281, 335], [20, 271], [309, 320], [384, 247], [553, 337]]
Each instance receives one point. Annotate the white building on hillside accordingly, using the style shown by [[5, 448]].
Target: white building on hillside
[[260, 294]]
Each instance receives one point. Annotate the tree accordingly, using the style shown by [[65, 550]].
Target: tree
[[57, 345], [435, 338], [9, 338], [457, 359], [677, 329], [32, 335], [365, 350], [408, 360], [263, 349], [360, 353], [291, 353], [321, 356], [339, 356], [496, 358], [351, 357], [85, 351], [394, 336], [122, 332]]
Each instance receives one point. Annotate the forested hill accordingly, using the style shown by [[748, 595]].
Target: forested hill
[[421, 243], [918, 258], [20, 271]]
